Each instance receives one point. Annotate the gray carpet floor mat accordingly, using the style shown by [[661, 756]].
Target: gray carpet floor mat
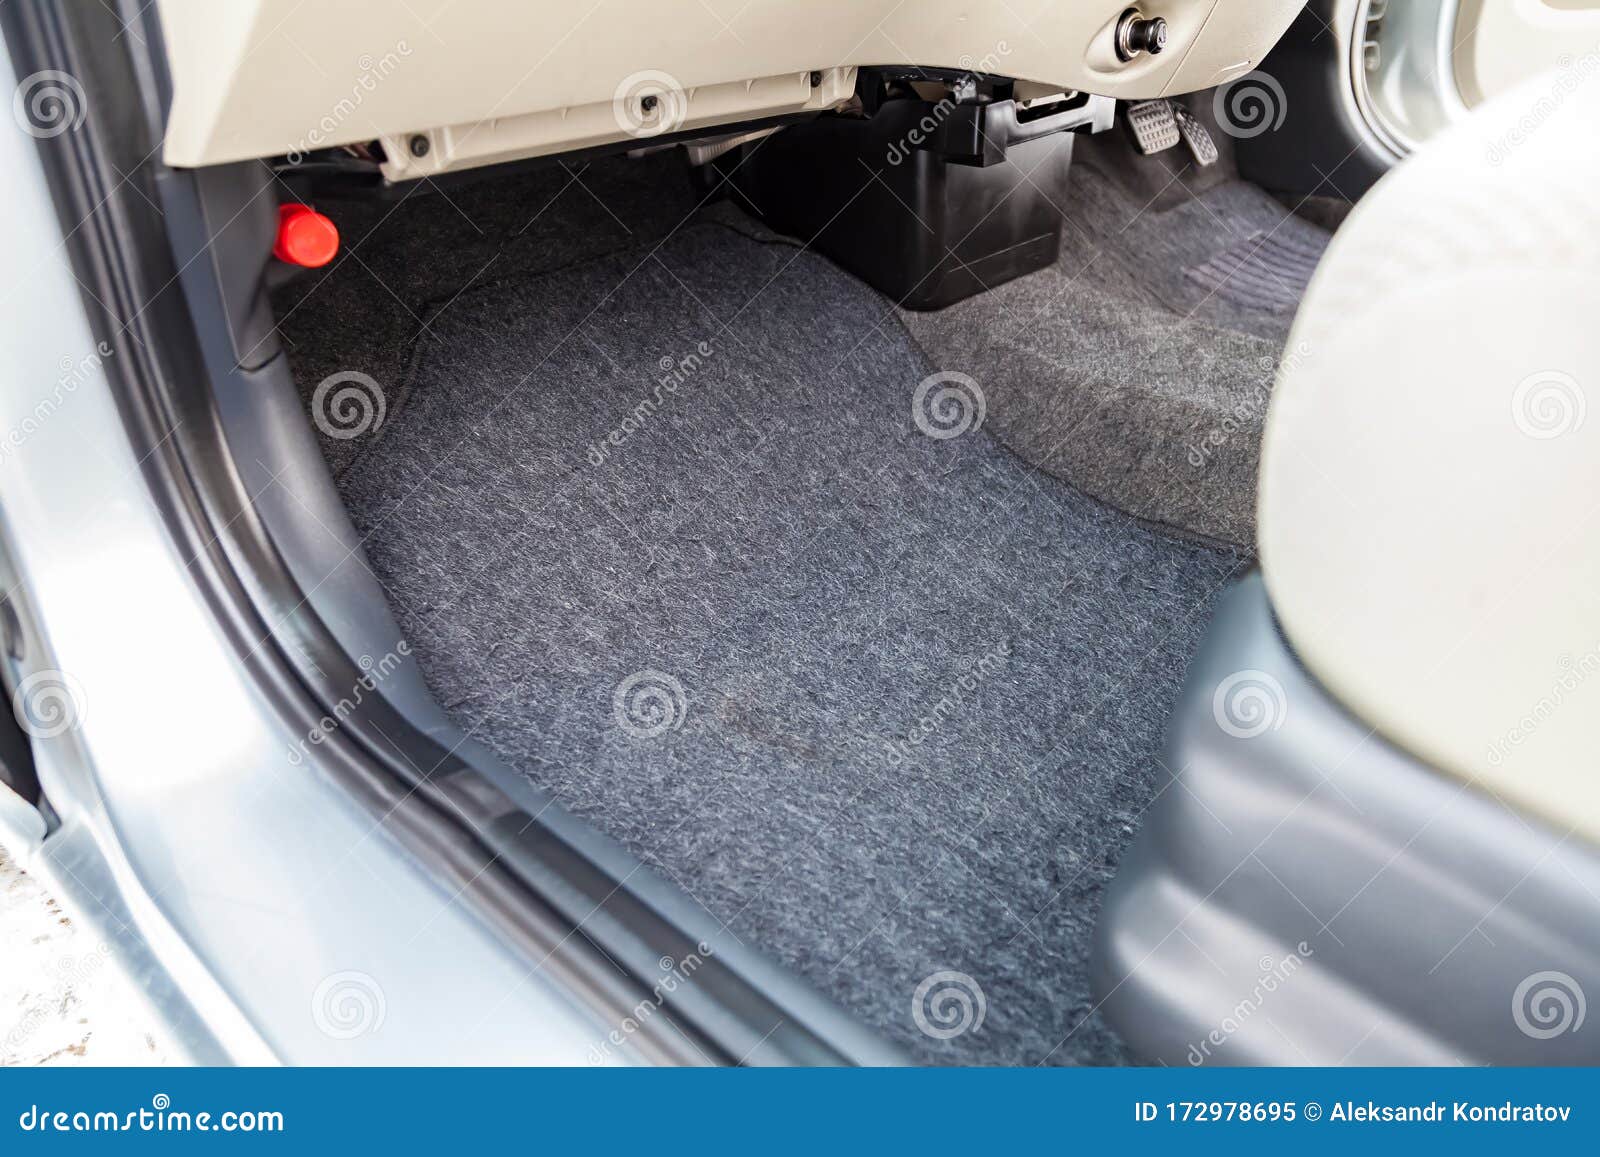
[[404, 259], [1139, 367], [1261, 272], [665, 533]]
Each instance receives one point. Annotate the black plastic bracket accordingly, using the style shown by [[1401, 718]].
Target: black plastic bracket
[[927, 201]]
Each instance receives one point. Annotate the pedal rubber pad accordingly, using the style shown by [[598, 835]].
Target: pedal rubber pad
[[1154, 127], [1195, 135]]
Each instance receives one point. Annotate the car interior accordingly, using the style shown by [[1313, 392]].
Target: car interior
[[957, 504]]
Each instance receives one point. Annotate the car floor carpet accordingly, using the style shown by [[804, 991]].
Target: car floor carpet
[[1140, 365], [669, 532], [402, 259]]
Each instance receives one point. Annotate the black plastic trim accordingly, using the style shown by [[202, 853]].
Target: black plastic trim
[[1320, 146]]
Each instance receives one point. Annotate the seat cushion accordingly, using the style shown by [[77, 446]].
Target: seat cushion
[[1430, 484]]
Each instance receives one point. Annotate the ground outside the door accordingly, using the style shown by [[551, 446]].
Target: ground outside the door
[[63, 998]]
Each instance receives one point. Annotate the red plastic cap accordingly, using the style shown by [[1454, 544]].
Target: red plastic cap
[[305, 237]]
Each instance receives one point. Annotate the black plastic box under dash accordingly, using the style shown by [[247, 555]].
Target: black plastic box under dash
[[927, 202]]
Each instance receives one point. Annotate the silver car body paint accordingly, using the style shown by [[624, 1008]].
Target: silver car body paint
[[266, 915]]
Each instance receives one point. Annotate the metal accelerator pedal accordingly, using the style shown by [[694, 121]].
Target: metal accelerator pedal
[[1195, 135]]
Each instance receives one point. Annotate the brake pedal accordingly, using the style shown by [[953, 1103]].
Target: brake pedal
[[1196, 136], [1154, 128]]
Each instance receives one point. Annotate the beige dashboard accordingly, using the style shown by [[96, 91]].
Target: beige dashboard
[[451, 83]]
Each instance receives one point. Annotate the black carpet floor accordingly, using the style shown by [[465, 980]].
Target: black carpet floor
[[666, 532]]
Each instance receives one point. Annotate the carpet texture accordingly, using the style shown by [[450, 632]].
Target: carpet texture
[[1139, 367], [667, 533], [404, 259]]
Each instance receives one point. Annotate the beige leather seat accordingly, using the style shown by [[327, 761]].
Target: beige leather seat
[[1430, 484]]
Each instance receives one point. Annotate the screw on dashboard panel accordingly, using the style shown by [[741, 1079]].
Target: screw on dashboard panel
[[647, 104], [1136, 35], [816, 80], [419, 146]]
